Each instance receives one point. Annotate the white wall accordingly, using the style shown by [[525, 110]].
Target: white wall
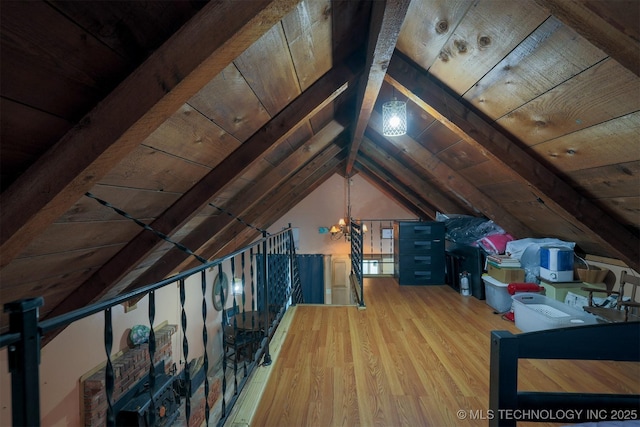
[[327, 204]]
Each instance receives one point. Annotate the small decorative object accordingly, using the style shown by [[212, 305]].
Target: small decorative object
[[139, 334], [220, 286]]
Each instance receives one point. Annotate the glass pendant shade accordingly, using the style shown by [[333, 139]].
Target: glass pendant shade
[[394, 118]]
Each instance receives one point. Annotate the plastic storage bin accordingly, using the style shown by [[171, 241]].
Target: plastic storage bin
[[496, 293], [534, 312]]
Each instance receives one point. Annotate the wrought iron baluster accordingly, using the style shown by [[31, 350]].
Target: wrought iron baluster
[[265, 271], [152, 356], [205, 340], [108, 373], [185, 351], [223, 412]]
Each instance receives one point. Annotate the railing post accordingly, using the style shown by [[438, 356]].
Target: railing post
[[265, 274], [24, 361]]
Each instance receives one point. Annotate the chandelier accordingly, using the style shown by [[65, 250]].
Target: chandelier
[[343, 227]]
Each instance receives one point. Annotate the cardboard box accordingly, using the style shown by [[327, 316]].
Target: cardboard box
[[559, 290], [506, 275]]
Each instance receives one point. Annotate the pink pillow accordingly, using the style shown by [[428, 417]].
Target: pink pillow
[[495, 243]]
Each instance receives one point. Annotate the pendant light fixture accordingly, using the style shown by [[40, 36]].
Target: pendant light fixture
[[394, 117]]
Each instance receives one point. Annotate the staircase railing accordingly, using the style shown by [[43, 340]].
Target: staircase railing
[[356, 279], [268, 277]]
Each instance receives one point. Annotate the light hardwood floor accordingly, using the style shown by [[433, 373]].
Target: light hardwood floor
[[415, 357]]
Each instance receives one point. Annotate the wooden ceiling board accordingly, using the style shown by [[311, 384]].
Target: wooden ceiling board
[[507, 192], [599, 145], [140, 204], [51, 64], [52, 265], [600, 93], [427, 28], [276, 85], [619, 180], [487, 33], [200, 50], [487, 172], [610, 25], [324, 116], [350, 23], [150, 169], [301, 134], [627, 208], [405, 175], [462, 155], [308, 32], [70, 236], [437, 138], [393, 186], [25, 133], [550, 55], [132, 29], [189, 135], [386, 187], [229, 102]]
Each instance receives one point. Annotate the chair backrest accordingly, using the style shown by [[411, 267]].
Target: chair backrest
[[628, 279], [228, 315]]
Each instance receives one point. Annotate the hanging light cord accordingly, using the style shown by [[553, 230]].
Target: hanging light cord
[[147, 227], [240, 220]]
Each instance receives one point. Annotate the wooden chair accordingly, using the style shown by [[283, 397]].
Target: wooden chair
[[239, 344], [619, 313]]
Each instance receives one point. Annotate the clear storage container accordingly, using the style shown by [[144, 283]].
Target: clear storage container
[[535, 312]]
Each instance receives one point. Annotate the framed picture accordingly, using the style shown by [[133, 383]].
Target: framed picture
[[386, 233]]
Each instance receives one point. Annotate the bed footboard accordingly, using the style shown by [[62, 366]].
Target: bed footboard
[[574, 343]]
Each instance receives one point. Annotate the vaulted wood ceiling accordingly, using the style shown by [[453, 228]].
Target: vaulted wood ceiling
[[527, 113]]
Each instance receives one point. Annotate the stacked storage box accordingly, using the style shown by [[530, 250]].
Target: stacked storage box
[[501, 270], [496, 293]]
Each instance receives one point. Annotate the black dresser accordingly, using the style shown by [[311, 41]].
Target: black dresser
[[419, 257]]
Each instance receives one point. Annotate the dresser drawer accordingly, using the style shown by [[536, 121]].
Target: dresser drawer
[[420, 246], [416, 262], [421, 277]]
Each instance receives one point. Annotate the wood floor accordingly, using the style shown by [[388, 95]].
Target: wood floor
[[415, 357]]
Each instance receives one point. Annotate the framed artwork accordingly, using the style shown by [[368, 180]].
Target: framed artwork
[[386, 233]]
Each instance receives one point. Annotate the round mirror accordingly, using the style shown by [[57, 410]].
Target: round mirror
[[220, 284]]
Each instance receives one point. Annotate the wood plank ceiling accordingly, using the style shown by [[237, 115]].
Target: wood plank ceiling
[[527, 113]]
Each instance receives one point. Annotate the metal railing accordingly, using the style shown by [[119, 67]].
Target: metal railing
[[356, 263], [265, 270]]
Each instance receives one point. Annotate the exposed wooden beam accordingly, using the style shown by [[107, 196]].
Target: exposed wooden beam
[[317, 148], [316, 97], [202, 48], [375, 149], [276, 210], [386, 20], [274, 205], [386, 182], [387, 188], [457, 183], [557, 195], [612, 26]]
